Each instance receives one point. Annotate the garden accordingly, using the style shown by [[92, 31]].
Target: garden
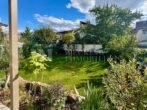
[[52, 78]]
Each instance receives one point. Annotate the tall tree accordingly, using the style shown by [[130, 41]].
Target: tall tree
[[40, 41], [44, 36], [26, 36], [111, 19]]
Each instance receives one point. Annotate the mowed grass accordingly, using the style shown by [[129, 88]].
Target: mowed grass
[[70, 74]]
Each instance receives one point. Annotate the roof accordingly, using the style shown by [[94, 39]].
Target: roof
[[2, 24], [64, 32], [81, 23]]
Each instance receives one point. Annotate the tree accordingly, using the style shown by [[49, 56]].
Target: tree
[[44, 36], [125, 85], [26, 36], [68, 38], [111, 19], [40, 41], [84, 35], [122, 46]]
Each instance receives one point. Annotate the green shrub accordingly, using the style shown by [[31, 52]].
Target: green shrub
[[121, 46], [94, 100], [56, 96], [125, 86], [141, 55], [36, 63]]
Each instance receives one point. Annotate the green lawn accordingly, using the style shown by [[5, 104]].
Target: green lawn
[[70, 73]]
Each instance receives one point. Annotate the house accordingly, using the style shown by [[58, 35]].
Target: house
[[140, 33], [80, 47], [3, 26], [82, 23]]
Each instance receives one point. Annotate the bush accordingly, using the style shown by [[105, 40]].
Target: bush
[[121, 46], [94, 100], [36, 63], [55, 97], [39, 40], [141, 55], [125, 86]]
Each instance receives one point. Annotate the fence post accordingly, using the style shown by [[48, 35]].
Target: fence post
[[14, 83]]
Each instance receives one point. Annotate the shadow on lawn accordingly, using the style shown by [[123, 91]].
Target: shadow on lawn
[[96, 81], [76, 66]]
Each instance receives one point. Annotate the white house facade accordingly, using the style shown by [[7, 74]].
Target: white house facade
[[85, 47], [3, 27], [141, 33]]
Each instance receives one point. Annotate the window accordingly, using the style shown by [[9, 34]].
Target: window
[[144, 31]]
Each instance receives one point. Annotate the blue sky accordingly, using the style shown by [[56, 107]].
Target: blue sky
[[28, 8], [60, 14]]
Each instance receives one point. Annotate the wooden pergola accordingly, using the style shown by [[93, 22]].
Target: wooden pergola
[[13, 34]]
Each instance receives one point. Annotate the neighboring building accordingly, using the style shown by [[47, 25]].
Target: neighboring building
[[59, 34], [80, 47], [3, 26], [140, 33], [84, 47]]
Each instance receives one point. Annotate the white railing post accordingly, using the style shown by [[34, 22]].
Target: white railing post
[[13, 34]]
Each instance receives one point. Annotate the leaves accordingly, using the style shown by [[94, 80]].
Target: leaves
[[36, 62], [94, 100], [4, 52], [44, 36], [111, 19], [124, 46], [68, 38], [26, 36], [125, 86]]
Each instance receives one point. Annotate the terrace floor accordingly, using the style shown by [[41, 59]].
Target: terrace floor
[[3, 107]]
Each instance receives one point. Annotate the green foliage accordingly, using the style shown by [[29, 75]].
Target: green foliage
[[141, 54], [126, 86], [4, 52], [2, 37], [70, 73], [56, 96], [85, 35], [36, 63], [44, 36], [39, 41], [123, 46], [94, 99], [26, 36], [111, 19], [68, 38]]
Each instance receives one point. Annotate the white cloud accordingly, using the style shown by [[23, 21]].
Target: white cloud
[[82, 5], [85, 5], [140, 5], [21, 30], [58, 24], [143, 7], [0, 19], [122, 3]]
